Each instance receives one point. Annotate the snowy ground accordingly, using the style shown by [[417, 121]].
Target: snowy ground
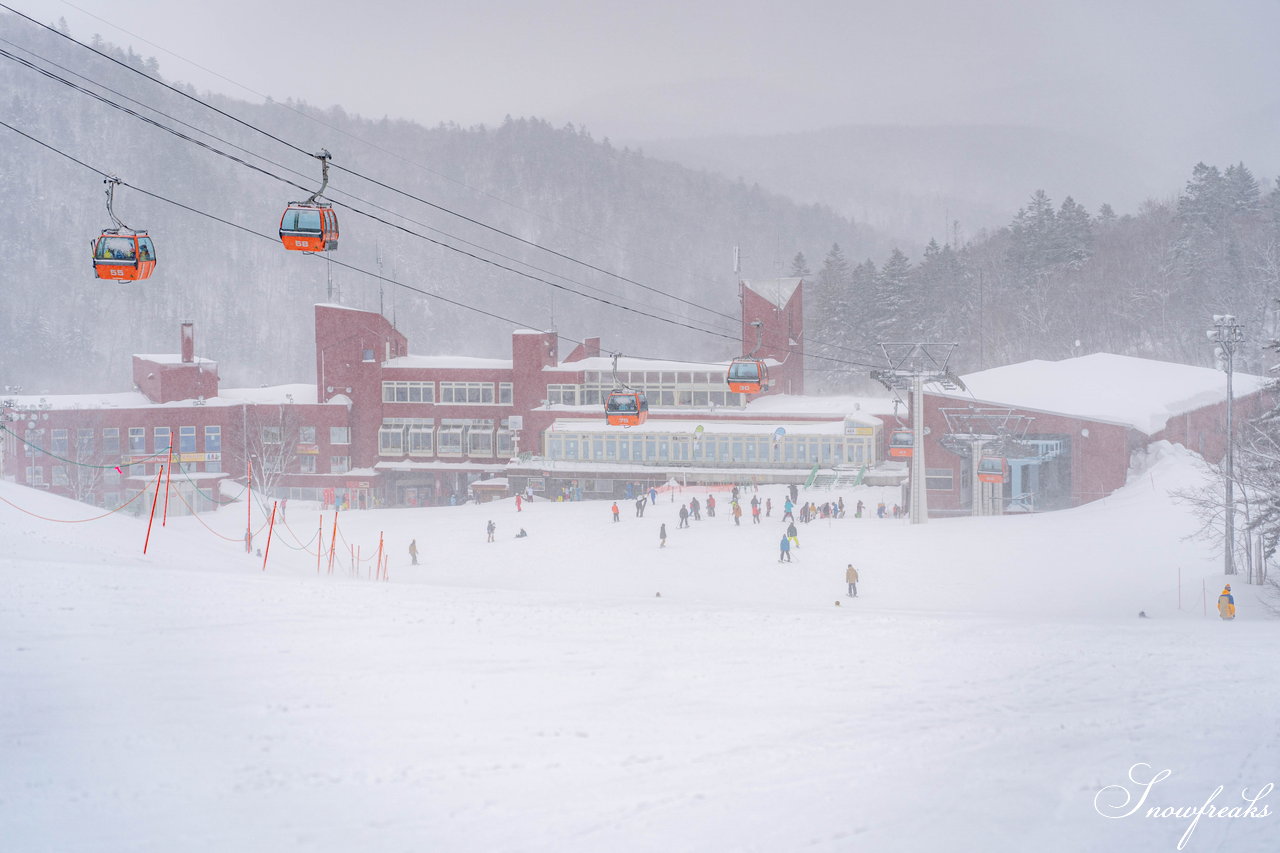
[[538, 694]]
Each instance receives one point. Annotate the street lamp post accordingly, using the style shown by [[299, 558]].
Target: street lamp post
[[1226, 334]]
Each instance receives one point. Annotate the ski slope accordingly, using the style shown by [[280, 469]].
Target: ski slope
[[582, 689]]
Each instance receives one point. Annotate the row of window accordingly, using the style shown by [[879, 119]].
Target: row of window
[[663, 388], [91, 477], [454, 437], [87, 441], [671, 397], [468, 393], [741, 449]]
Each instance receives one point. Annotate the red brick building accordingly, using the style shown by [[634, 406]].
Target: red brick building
[[383, 427]]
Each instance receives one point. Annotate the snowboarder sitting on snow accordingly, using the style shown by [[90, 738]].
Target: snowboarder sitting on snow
[[521, 534], [1227, 603]]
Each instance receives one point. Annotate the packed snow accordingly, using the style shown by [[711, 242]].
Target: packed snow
[[992, 687]]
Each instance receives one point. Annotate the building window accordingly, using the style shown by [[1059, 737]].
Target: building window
[[162, 439], [409, 392], [307, 435], [450, 441], [35, 475], [187, 439], [938, 479], [504, 393], [339, 464], [307, 463], [137, 440], [421, 438], [562, 395], [60, 475], [479, 442], [466, 392], [84, 443], [213, 439], [339, 435], [271, 435], [391, 440], [110, 441], [59, 441]]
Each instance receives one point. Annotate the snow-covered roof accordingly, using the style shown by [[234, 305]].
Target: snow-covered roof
[[638, 365], [456, 362], [793, 404], [668, 427], [1137, 392], [776, 290], [300, 392], [176, 358]]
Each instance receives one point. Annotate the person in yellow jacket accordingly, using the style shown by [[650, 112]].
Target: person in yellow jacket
[[1227, 603], [851, 578]]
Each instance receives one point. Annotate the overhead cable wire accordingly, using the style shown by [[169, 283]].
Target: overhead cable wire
[[360, 270], [372, 180], [206, 146]]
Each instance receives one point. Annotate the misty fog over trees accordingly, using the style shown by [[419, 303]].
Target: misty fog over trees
[[1057, 281]]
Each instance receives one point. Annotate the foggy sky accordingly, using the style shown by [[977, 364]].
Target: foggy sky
[[1146, 71]]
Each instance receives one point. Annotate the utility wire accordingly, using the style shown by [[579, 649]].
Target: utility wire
[[370, 273], [354, 173], [242, 162], [388, 187]]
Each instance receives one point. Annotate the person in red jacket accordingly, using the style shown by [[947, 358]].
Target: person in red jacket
[[615, 511]]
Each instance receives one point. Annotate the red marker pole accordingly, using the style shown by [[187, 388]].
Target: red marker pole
[[153, 510], [379, 555], [266, 552]]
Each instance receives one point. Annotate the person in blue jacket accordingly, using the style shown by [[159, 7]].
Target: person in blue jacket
[[784, 549]]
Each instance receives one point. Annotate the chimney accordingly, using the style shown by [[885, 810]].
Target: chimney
[[188, 343]]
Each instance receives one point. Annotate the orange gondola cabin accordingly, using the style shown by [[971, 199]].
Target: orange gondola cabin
[[626, 407], [747, 376], [122, 255], [309, 228], [900, 443], [993, 469]]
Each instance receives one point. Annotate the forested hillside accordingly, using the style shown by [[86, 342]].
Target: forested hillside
[[1060, 281], [659, 225]]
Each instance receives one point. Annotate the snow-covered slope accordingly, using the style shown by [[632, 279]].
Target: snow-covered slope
[[583, 689]]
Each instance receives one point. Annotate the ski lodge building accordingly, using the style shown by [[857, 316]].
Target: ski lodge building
[[382, 427]]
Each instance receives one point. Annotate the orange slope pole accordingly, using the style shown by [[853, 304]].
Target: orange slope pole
[[333, 544], [266, 552], [154, 500], [379, 555]]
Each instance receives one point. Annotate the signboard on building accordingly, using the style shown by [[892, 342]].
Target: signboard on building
[[515, 422], [537, 484], [309, 449]]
